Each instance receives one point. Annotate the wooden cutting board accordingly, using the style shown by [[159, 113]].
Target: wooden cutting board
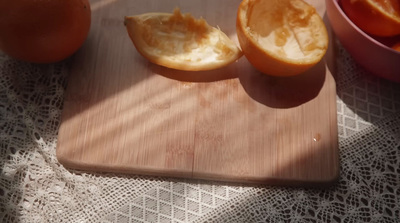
[[124, 114]]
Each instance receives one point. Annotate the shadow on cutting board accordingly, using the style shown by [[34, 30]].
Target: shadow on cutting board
[[272, 91], [224, 73], [284, 92]]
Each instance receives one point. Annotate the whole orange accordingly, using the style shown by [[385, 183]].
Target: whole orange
[[43, 31]]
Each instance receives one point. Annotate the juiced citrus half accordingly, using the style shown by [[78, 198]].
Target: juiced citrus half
[[180, 41], [377, 17], [281, 37]]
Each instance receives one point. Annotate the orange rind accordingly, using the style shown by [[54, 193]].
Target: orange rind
[[180, 41], [281, 37]]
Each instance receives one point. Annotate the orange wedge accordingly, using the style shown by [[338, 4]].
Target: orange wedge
[[281, 37], [376, 17], [180, 41]]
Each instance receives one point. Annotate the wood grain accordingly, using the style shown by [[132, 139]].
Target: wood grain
[[124, 114]]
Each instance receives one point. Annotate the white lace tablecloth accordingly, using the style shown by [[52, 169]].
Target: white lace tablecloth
[[34, 187]]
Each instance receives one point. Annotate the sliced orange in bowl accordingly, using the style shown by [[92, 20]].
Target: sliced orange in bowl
[[281, 38], [180, 41], [376, 17]]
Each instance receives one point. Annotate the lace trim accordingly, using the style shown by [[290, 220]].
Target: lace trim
[[35, 188]]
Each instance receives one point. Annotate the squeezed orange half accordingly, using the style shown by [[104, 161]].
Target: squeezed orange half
[[281, 37]]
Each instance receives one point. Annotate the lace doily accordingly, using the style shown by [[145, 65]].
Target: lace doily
[[34, 187]]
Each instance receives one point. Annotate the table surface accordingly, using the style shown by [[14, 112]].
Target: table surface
[[34, 187]]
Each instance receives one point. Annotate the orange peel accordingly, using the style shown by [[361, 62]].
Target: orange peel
[[180, 41], [281, 37]]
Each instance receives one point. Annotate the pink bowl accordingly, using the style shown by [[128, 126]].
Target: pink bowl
[[370, 53]]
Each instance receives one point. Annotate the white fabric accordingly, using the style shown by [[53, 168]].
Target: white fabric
[[34, 187]]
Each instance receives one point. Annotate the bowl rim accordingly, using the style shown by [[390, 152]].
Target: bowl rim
[[336, 4]]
